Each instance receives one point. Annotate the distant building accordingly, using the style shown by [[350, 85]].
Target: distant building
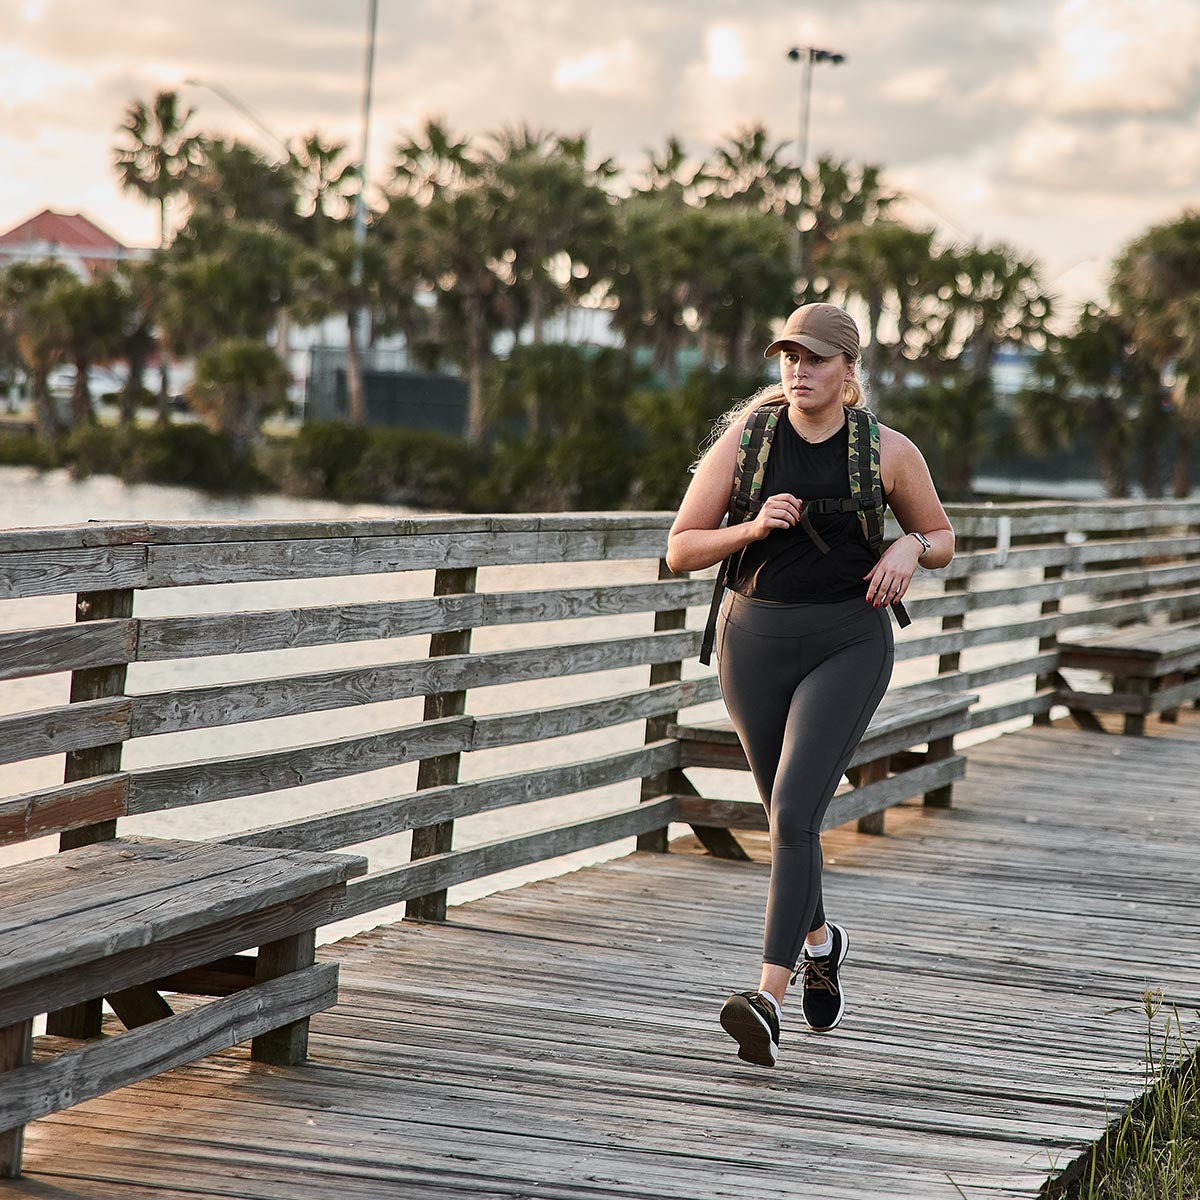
[[69, 238]]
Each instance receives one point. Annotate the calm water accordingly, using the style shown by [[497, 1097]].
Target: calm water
[[53, 498]]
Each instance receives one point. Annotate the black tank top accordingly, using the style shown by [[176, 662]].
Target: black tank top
[[786, 565]]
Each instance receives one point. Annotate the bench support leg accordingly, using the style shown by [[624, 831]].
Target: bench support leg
[[16, 1050], [286, 1046], [940, 797], [871, 772], [1135, 722]]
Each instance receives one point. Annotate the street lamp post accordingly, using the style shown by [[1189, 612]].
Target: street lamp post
[[807, 55]]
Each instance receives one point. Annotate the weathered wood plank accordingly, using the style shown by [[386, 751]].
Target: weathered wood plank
[[256, 700], [509, 729], [237, 633], [205, 780], [82, 726], [365, 822], [1040, 702], [26, 652], [461, 866], [69, 806], [1091, 583], [99, 900], [92, 1070], [16, 1052], [53, 572], [195, 948], [845, 806], [307, 558]]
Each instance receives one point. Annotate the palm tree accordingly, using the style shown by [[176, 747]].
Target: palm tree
[[34, 328], [156, 160], [892, 269], [443, 234], [238, 381], [326, 286], [90, 318], [158, 152], [1097, 381], [555, 217], [1156, 283]]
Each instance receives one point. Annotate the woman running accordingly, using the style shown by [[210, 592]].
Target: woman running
[[804, 642]]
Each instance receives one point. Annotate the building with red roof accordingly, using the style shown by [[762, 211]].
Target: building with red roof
[[69, 238]]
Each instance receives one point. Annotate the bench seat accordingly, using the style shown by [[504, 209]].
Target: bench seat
[[129, 918], [1153, 669], [884, 769]]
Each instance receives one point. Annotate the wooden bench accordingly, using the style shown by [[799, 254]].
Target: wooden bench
[[884, 770], [1153, 670], [130, 918]]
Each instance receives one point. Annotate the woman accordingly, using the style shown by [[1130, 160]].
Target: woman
[[804, 641]]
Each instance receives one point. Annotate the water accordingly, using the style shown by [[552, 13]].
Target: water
[[53, 498]]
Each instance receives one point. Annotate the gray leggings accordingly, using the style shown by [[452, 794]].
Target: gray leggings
[[801, 683]]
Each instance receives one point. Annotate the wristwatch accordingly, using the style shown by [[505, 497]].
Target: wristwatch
[[925, 543]]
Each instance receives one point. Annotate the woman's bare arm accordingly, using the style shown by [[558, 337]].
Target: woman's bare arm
[[696, 539]]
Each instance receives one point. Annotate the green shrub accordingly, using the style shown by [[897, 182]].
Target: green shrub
[[420, 468], [21, 449], [179, 455]]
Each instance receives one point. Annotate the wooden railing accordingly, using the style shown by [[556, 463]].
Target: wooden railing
[[986, 624]]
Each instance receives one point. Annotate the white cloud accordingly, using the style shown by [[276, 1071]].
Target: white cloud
[[917, 86], [1106, 55], [725, 57], [615, 70]]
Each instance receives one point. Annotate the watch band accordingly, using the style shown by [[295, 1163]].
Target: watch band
[[925, 543]]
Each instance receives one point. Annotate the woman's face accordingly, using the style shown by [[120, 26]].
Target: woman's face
[[811, 382]]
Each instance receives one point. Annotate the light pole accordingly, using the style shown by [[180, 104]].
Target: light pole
[[360, 204], [807, 55]]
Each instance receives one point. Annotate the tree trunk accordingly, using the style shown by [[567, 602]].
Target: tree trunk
[[45, 410], [131, 393], [477, 349], [164, 388], [81, 396], [354, 376], [1182, 475]]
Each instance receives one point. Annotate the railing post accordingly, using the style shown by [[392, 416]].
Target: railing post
[[1050, 642], [443, 768], [656, 727], [947, 664], [93, 683]]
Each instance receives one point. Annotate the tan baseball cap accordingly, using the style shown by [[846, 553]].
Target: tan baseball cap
[[824, 329]]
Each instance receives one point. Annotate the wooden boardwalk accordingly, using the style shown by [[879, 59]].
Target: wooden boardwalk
[[560, 1039]]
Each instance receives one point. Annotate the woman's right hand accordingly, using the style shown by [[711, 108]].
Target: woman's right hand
[[780, 511]]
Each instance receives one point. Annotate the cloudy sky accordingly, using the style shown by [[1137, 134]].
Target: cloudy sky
[[1062, 127]]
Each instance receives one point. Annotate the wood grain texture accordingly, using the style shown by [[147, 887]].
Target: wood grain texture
[[257, 700], [365, 822], [95, 902], [27, 652], [92, 1070], [499, 1053], [237, 633]]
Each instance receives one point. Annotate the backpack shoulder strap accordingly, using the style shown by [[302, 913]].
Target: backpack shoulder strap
[[745, 497], [750, 470], [866, 487], [866, 483]]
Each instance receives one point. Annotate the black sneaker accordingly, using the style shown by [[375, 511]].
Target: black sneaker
[[749, 1018], [823, 1000]]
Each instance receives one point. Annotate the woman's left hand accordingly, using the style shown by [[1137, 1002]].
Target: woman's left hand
[[890, 576]]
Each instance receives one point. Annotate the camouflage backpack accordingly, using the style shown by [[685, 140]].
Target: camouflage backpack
[[866, 494]]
